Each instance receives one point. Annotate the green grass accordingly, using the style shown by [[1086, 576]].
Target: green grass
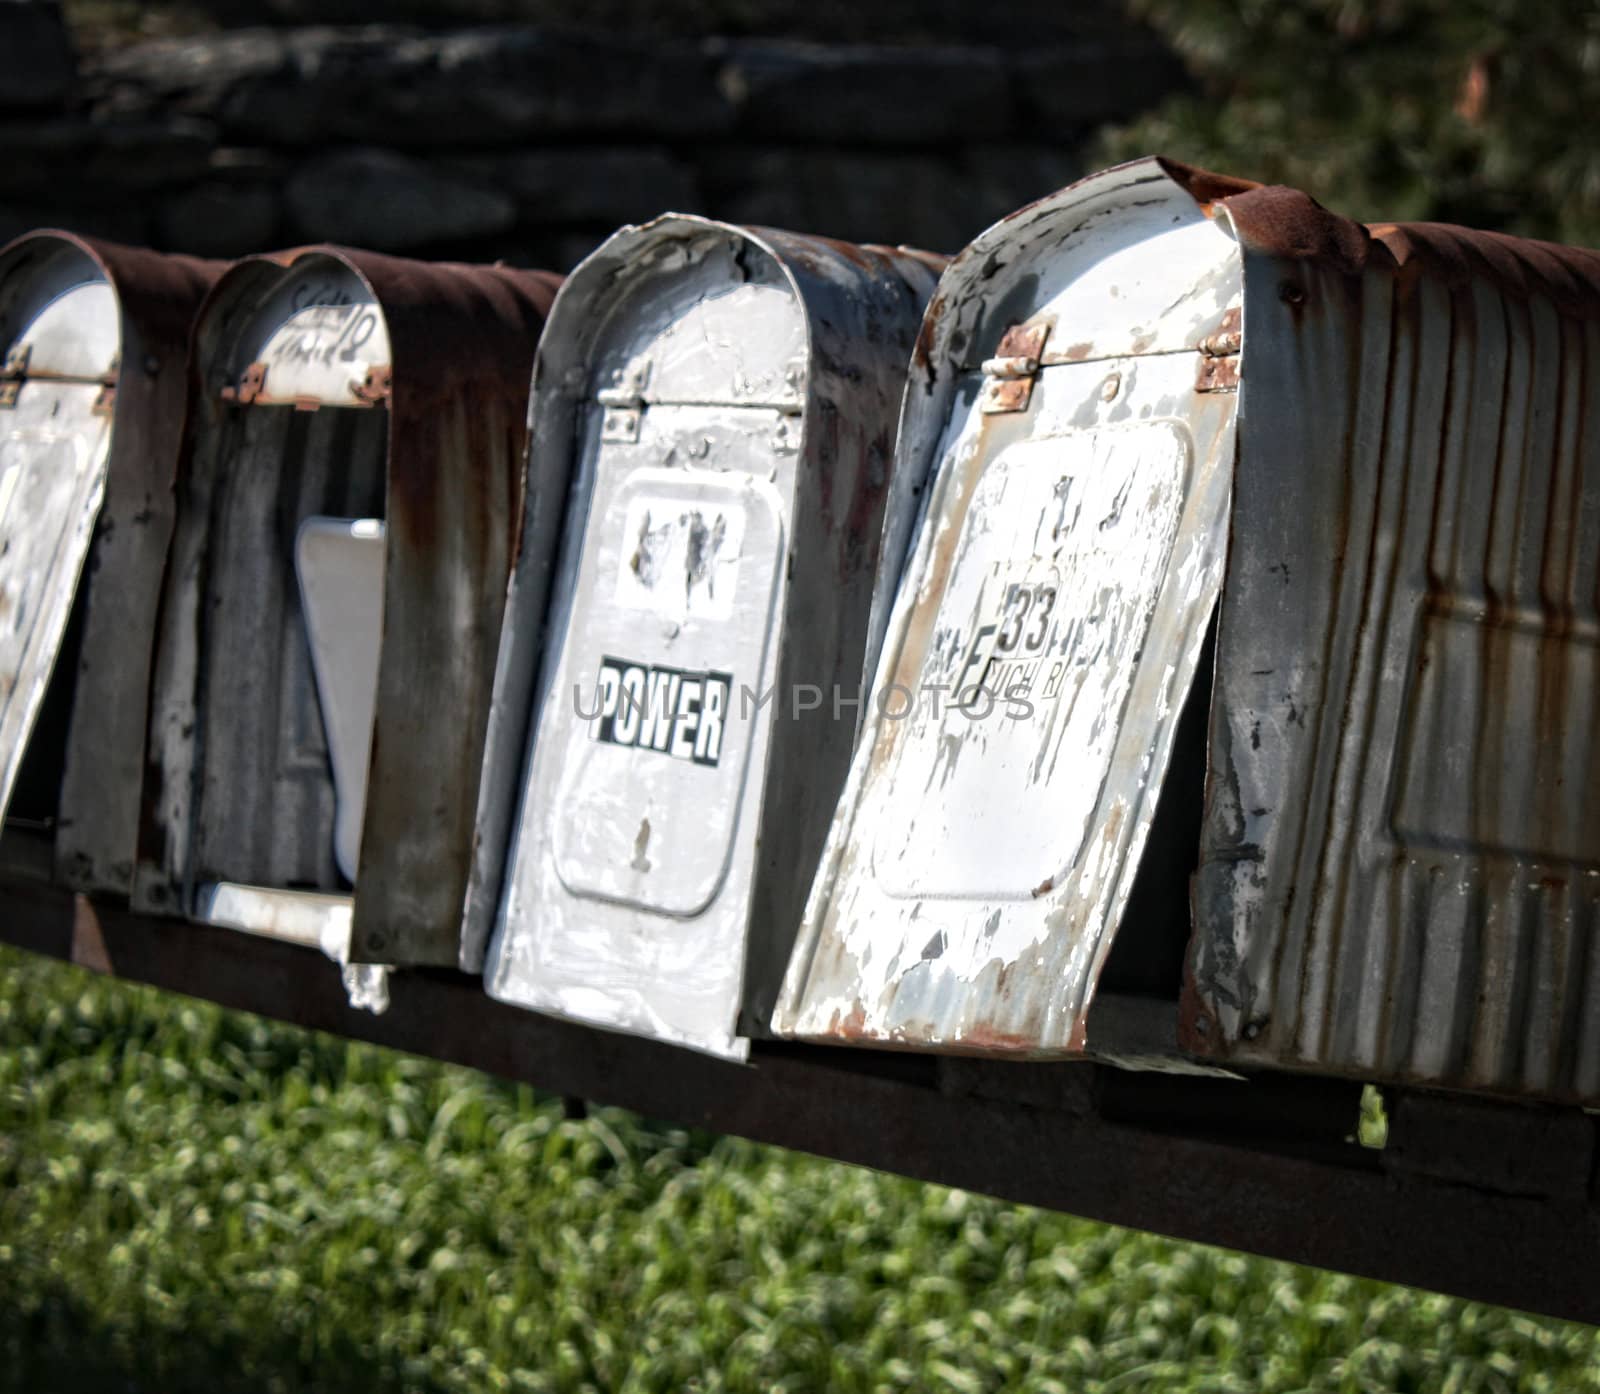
[[192, 1199]]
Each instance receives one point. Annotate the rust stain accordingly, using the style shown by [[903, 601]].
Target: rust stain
[[1217, 375], [1203, 185]]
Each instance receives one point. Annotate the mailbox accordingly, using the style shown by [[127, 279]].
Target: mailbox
[[1366, 451], [348, 503], [656, 794], [95, 340], [1400, 868], [1073, 405]]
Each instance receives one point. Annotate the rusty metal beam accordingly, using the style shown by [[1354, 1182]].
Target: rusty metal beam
[[1260, 1166]]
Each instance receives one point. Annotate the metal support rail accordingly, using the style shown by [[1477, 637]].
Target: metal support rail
[[1489, 1201]]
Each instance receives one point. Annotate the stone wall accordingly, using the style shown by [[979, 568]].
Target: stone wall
[[531, 144]]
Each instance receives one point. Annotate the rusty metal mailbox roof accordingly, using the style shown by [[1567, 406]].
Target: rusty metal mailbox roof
[[94, 338], [1400, 875], [1072, 404], [727, 398], [330, 382]]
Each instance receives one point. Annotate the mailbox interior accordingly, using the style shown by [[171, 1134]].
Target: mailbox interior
[[60, 338], [631, 861], [1047, 652], [292, 430]]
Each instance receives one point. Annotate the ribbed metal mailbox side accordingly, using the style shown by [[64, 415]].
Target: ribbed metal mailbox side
[[1401, 864], [1071, 414], [727, 397], [339, 382], [102, 331]]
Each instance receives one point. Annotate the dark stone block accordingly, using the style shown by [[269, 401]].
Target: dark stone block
[[220, 218], [866, 96], [918, 200], [38, 69], [400, 88], [998, 179], [379, 199], [92, 163], [1066, 90], [606, 186], [128, 222]]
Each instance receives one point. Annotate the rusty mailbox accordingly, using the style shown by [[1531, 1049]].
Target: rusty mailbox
[[1073, 403], [1373, 766], [348, 504], [1400, 870], [726, 398], [95, 338]]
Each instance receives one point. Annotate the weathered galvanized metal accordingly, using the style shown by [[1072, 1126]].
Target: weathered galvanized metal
[[94, 338], [339, 563], [727, 399], [392, 395], [1073, 401], [1400, 876]]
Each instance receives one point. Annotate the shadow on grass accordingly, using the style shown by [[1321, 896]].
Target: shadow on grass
[[50, 1340]]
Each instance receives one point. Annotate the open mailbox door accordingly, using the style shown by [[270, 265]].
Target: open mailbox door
[[348, 504], [94, 339], [1073, 403], [725, 399]]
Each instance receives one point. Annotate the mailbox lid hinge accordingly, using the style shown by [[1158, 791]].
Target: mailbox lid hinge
[[12, 372], [1219, 356], [623, 401], [1009, 375]]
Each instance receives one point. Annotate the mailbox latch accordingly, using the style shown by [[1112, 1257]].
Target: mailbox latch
[[1008, 376], [251, 385], [376, 387], [623, 400], [1219, 356]]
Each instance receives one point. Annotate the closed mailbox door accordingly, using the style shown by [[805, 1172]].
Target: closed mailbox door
[[675, 615], [730, 486], [1048, 632]]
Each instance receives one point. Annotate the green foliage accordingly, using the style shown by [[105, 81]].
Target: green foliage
[[1470, 111], [197, 1200]]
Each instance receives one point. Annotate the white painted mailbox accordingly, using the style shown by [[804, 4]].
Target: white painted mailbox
[[348, 504], [654, 800], [1074, 411], [93, 338]]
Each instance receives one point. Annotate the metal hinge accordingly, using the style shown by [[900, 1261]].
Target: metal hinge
[[623, 401], [251, 386], [105, 400], [12, 372], [1009, 375], [791, 406], [1219, 356]]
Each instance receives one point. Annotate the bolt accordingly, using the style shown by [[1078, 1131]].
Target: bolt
[[1110, 387]]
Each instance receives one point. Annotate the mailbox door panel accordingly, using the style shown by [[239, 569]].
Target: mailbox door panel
[[339, 562], [1060, 561], [53, 449], [630, 868], [674, 610], [1053, 620]]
